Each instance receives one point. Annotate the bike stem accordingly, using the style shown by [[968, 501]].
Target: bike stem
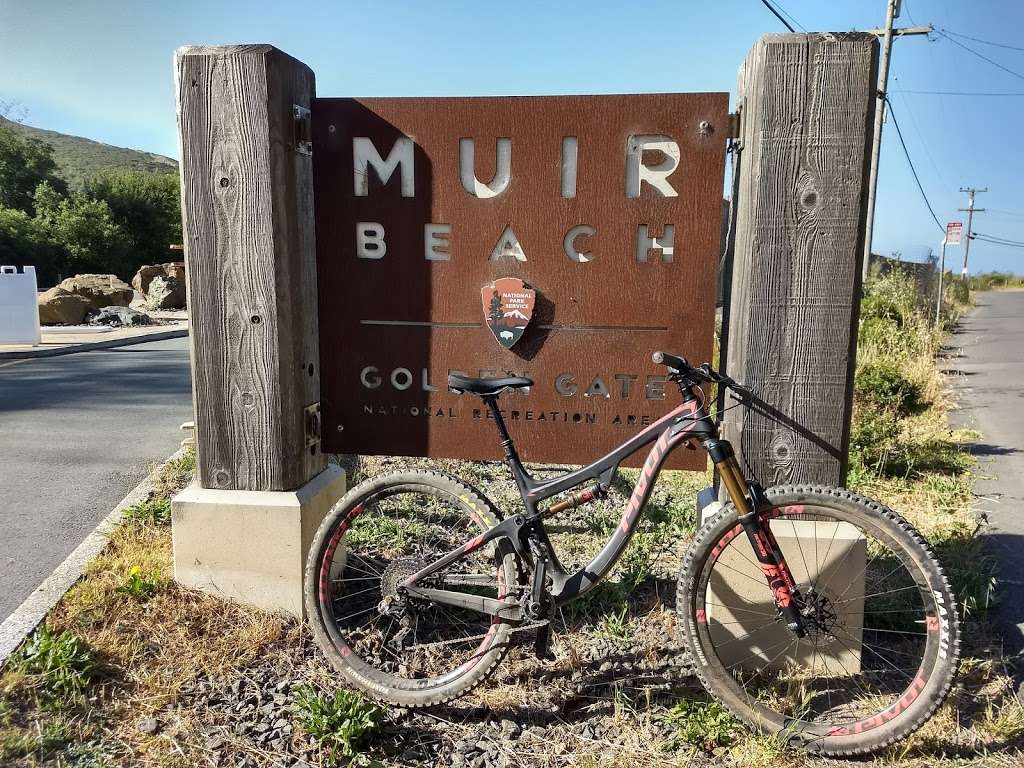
[[766, 549]]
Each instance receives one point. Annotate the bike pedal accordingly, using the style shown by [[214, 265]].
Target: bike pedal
[[542, 643]]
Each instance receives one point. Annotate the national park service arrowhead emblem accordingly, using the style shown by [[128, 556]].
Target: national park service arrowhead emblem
[[508, 306]]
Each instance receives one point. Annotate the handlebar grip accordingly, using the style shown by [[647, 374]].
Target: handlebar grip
[[677, 363]]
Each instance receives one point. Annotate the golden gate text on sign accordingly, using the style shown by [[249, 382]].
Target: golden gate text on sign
[[607, 208]]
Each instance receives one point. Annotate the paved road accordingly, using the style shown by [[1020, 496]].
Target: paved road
[[991, 342], [76, 434]]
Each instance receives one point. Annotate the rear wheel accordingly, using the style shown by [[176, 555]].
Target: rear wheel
[[882, 636], [399, 649]]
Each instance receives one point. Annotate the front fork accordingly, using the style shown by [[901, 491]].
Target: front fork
[[749, 500]]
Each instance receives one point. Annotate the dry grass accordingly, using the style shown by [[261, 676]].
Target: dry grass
[[147, 649]]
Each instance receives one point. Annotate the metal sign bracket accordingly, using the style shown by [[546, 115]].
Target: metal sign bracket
[[303, 130]]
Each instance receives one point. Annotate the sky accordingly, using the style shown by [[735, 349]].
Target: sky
[[104, 70]]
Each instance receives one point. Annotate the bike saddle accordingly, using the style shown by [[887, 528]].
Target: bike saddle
[[486, 387]]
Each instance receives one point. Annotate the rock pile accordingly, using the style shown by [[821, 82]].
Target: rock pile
[[118, 317], [68, 302], [162, 284]]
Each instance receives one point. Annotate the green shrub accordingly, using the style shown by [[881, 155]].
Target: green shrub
[[882, 385], [873, 438], [986, 281], [60, 665], [340, 723]]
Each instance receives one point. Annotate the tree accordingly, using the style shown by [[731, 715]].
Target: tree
[[495, 309], [25, 163], [85, 230], [146, 206], [22, 243]]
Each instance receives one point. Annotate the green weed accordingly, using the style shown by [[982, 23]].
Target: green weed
[[340, 723], [392, 534], [139, 586], [60, 665], [153, 511], [703, 723], [614, 625]]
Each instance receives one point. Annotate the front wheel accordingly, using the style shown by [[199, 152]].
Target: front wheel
[[882, 635]]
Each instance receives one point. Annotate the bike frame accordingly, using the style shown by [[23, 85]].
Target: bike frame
[[688, 421]]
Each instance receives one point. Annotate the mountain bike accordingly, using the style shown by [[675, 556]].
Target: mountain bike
[[812, 613]]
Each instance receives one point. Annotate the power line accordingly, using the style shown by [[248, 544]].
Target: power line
[[963, 93], [913, 170], [789, 16], [981, 56], [924, 142], [778, 15], [979, 40], [999, 239], [997, 242]]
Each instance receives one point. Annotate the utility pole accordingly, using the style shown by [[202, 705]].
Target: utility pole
[[887, 33], [970, 209]]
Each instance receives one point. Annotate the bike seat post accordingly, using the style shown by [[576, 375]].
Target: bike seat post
[[506, 439]]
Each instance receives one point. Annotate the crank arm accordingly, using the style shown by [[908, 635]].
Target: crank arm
[[503, 609]]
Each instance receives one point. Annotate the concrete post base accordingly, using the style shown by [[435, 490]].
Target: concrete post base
[[251, 546]]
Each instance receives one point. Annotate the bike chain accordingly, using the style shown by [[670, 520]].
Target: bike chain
[[513, 631]]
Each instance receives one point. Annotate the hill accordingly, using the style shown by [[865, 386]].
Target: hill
[[79, 159]]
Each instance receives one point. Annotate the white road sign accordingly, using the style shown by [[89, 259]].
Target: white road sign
[[953, 231]]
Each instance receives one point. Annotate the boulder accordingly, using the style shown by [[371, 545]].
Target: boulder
[[175, 269], [146, 274], [100, 290], [58, 306], [166, 293], [118, 317]]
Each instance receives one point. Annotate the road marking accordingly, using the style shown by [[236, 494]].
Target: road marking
[[15, 362]]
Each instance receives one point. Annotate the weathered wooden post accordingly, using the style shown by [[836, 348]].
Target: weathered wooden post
[[806, 103], [247, 208]]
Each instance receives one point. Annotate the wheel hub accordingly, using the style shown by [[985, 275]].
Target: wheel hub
[[818, 611]]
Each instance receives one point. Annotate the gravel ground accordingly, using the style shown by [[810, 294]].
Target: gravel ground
[[601, 695], [553, 710]]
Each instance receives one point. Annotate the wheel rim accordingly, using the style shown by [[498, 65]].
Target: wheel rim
[[385, 636], [872, 618]]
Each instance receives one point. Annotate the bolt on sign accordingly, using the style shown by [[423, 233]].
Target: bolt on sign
[[560, 238]]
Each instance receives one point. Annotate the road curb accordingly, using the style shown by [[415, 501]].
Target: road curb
[[28, 354], [30, 614]]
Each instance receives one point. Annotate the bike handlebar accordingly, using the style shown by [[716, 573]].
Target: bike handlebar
[[663, 358], [700, 374]]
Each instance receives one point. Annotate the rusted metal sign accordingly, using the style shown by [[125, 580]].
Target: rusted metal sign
[[560, 238]]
